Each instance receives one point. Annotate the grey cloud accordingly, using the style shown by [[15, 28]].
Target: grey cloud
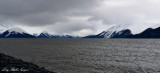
[[128, 12], [41, 12]]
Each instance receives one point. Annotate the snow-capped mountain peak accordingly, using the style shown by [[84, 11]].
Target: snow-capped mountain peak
[[115, 29], [134, 28], [10, 29]]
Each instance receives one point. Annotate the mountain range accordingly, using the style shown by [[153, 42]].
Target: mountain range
[[118, 31], [15, 32]]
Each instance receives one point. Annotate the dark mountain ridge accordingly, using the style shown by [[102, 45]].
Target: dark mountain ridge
[[125, 33], [13, 34], [148, 33]]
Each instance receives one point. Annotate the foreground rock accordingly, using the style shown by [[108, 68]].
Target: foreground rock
[[11, 65]]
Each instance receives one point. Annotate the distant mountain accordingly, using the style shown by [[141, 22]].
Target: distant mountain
[[47, 35], [148, 33], [15, 33], [43, 35], [109, 33], [19, 33], [101, 35], [120, 32]]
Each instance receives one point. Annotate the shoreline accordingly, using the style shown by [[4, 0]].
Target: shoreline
[[11, 64]]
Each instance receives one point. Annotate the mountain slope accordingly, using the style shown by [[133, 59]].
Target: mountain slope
[[126, 32], [148, 33], [47, 35], [19, 33], [122, 34], [101, 35], [15, 33]]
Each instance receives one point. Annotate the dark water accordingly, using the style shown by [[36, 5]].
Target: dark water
[[87, 55]]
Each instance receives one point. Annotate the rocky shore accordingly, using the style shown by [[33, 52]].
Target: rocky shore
[[9, 64]]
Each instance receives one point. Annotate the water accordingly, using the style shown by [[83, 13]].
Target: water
[[87, 55]]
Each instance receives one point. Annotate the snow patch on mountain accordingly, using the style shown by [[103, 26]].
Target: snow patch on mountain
[[115, 29]]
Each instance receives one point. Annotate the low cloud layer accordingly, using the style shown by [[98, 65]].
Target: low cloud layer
[[77, 17]]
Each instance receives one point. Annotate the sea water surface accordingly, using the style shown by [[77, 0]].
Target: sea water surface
[[87, 55]]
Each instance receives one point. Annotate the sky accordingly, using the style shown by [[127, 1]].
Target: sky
[[77, 17]]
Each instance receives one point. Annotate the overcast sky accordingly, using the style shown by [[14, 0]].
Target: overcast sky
[[77, 17]]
